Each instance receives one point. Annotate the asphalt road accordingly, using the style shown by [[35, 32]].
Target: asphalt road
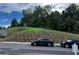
[[27, 49]]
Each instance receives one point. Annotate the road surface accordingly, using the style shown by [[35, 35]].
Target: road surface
[[27, 49]]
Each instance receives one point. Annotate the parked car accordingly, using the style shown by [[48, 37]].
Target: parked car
[[69, 43], [3, 33], [43, 42]]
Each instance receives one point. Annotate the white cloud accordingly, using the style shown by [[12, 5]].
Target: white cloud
[[9, 7], [5, 25], [57, 10], [12, 7], [59, 7]]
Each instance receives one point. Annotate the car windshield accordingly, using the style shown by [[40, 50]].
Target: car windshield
[[75, 40]]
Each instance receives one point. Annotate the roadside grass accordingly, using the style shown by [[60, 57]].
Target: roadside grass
[[14, 30], [38, 30]]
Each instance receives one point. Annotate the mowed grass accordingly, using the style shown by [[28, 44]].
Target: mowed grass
[[37, 30], [14, 30]]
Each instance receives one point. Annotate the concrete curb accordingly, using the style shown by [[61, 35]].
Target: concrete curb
[[25, 43], [17, 42]]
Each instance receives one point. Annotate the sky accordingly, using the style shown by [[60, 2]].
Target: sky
[[8, 11]]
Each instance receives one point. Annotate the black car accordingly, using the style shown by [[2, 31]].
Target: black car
[[43, 42], [69, 43]]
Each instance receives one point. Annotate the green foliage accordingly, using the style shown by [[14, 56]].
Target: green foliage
[[14, 30], [42, 17], [0, 27], [14, 23]]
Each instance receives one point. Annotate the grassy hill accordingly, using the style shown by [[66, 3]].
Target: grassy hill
[[37, 30], [21, 33]]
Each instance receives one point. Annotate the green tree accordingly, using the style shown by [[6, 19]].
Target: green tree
[[69, 23], [43, 17], [71, 10], [54, 20], [0, 27], [69, 17], [39, 17], [26, 18], [14, 23], [76, 27]]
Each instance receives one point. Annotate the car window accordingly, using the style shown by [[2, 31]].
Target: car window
[[44, 39], [74, 41], [77, 41]]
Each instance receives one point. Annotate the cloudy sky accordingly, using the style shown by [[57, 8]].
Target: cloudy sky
[[8, 11]]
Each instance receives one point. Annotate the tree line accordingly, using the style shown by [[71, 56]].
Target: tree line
[[1, 27], [43, 17]]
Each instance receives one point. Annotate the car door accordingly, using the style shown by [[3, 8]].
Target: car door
[[70, 43], [42, 42], [74, 41]]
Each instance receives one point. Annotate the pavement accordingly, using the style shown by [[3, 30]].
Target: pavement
[[24, 48]]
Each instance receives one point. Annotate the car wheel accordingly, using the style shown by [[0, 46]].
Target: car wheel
[[49, 45], [66, 46], [34, 44]]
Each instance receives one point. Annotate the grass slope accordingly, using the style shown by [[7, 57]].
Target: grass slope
[[37, 30]]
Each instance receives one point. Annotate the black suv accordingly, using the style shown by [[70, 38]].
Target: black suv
[[43, 42], [69, 43]]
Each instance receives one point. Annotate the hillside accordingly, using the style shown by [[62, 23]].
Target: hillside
[[29, 34], [37, 30]]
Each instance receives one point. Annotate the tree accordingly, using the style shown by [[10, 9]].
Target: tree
[[14, 23], [26, 18], [0, 27], [69, 23], [4, 27], [69, 17], [54, 20], [76, 27], [38, 17], [43, 17], [71, 10]]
